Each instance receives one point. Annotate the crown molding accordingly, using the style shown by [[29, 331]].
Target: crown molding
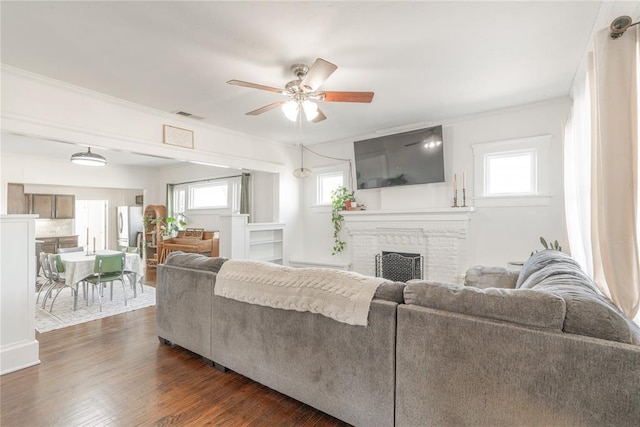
[[166, 116]]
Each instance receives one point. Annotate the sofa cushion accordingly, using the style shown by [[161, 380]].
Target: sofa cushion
[[390, 291], [524, 307], [588, 312], [490, 277], [195, 261]]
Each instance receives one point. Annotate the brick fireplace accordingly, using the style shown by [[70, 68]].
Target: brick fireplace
[[439, 235]]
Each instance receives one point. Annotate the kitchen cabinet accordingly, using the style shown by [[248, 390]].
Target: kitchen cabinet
[[15, 199], [42, 204], [51, 206], [68, 242], [51, 245], [65, 206]]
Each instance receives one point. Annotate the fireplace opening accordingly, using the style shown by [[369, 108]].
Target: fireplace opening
[[399, 266]]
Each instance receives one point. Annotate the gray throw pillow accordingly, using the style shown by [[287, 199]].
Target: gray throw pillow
[[589, 313], [195, 261], [524, 307], [540, 260]]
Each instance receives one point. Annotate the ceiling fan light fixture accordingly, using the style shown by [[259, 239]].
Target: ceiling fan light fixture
[[290, 110], [310, 110], [88, 159]]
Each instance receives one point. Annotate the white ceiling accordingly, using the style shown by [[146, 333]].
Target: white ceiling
[[425, 61]]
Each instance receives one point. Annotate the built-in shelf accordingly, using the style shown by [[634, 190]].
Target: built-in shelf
[[258, 241]]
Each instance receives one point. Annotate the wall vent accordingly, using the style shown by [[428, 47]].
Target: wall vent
[[191, 116]]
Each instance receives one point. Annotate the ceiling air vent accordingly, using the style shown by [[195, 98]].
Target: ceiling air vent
[[191, 116]]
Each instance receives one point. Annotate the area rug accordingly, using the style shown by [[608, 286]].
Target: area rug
[[63, 314]]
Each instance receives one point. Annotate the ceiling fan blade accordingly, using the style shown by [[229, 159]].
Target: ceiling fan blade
[[254, 86], [347, 96], [320, 117], [265, 108], [317, 74]]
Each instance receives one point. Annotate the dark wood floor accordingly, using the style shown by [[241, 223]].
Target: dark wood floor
[[113, 371]]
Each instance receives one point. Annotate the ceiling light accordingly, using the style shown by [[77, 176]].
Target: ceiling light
[[302, 172], [88, 159], [432, 144], [290, 110], [310, 110]]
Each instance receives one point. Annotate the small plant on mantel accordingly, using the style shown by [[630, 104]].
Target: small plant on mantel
[[339, 197], [554, 246]]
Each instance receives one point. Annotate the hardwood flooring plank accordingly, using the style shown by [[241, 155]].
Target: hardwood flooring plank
[[114, 372]]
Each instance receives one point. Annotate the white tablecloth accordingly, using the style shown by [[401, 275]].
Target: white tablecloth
[[78, 265]]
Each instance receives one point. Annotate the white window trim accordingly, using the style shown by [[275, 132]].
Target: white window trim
[[325, 170], [220, 183], [540, 144], [326, 174]]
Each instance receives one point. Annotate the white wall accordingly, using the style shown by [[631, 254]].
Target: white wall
[[497, 234], [37, 106]]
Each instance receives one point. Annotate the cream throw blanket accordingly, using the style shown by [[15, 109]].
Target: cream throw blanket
[[341, 295]]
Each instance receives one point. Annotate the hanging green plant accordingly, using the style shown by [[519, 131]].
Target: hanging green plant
[[339, 197]]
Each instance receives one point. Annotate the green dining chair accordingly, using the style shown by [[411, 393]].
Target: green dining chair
[[56, 267], [107, 269], [132, 275]]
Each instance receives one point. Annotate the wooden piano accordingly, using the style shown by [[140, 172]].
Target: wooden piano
[[194, 240]]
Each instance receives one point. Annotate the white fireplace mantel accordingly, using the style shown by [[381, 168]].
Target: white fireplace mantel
[[438, 234], [431, 214]]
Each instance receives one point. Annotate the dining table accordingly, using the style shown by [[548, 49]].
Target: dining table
[[78, 265]]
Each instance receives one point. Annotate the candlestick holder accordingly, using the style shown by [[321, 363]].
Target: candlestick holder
[[464, 197], [455, 199]]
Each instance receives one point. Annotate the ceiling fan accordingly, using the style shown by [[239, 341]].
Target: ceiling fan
[[303, 91]]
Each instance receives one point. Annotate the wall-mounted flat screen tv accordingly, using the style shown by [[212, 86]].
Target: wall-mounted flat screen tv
[[407, 158]]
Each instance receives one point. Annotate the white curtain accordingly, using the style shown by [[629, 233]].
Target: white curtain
[[601, 169]]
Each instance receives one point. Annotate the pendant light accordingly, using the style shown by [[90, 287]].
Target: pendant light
[[302, 172], [88, 159]]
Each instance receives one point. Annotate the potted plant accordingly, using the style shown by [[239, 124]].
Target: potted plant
[[173, 224], [339, 197]]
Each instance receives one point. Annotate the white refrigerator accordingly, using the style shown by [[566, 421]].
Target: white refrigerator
[[128, 224]]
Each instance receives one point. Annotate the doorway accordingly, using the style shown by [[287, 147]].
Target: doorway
[[91, 224]]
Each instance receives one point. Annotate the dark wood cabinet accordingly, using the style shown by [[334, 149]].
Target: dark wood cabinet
[[68, 242], [65, 207], [51, 206], [42, 204], [15, 199], [49, 244]]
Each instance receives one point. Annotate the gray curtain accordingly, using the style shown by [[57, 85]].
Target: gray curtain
[[245, 200]]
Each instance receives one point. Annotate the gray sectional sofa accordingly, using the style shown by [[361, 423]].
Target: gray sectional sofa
[[540, 348]]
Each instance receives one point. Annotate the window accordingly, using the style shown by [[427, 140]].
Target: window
[[326, 183], [212, 195], [512, 173]]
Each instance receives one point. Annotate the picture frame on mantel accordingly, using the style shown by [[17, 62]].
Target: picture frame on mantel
[[172, 135]]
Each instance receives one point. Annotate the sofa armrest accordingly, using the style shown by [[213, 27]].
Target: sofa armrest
[[183, 307]]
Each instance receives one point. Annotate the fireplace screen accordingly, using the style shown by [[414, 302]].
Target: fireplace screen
[[399, 267]]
